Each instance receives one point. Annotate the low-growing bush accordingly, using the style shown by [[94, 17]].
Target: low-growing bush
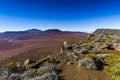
[[113, 59], [116, 78], [32, 71], [47, 76], [12, 67], [114, 67], [4, 75], [91, 56], [107, 69], [50, 60], [47, 69], [115, 70], [15, 77], [89, 47]]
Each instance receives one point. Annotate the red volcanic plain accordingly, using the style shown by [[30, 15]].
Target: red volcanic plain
[[37, 45]]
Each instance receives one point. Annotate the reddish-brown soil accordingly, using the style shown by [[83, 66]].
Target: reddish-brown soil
[[41, 46], [73, 72]]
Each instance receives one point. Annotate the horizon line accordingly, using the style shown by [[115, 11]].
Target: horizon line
[[45, 30]]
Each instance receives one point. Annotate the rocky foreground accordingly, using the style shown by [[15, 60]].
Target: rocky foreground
[[100, 52]]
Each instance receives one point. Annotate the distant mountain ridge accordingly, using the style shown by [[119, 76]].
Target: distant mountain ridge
[[37, 30], [53, 30], [33, 30], [32, 33], [26, 31]]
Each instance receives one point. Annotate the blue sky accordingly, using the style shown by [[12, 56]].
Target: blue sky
[[68, 15]]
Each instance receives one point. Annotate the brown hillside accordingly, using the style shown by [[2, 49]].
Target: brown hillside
[[48, 43]]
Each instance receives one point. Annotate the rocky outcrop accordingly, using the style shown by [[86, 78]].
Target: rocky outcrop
[[117, 48], [88, 63], [107, 32]]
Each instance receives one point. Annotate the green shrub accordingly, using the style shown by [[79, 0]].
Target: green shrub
[[15, 76], [101, 44], [116, 78], [113, 59], [115, 70], [86, 41], [107, 69], [12, 67], [89, 46], [91, 56], [47, 69], [50, 60], [32, 71], [114, 67]]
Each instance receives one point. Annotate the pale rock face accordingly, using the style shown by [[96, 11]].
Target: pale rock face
[[65, 43], [117, 48], [27, 61], [62, 47]]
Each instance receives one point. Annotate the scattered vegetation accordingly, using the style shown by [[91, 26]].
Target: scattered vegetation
[[44, 72], [32, 71], [88, 46], [113, 68], [87, 53], [50, 60], [91, 56], [12, 67]]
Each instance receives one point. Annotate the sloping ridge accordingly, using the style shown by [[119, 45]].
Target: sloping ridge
[[107, 31]]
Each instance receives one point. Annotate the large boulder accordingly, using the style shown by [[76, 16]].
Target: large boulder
[[26, 62], [117, 48], [65, 43], [88, 63]]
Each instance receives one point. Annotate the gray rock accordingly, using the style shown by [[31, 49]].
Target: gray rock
[[88, 63], [15, 77], [4, 75]]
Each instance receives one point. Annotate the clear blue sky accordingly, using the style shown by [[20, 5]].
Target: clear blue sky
[[70, 15]]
